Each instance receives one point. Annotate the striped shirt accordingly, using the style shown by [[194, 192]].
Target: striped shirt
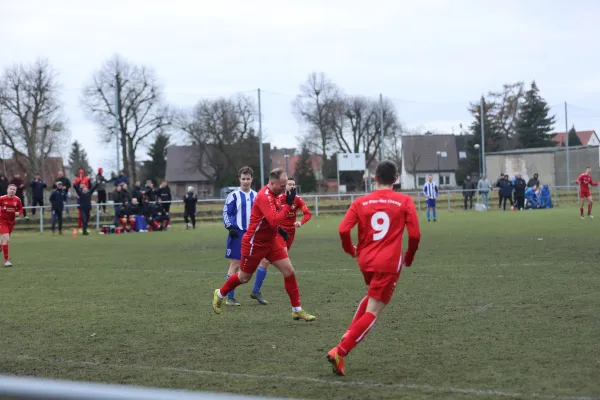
[[430, 190], [237, 209]]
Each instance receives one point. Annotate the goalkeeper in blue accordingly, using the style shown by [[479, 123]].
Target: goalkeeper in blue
[[431, 191], [236, 218]]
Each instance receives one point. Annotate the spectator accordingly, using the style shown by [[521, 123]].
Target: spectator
[[37, 193], [127, 215], [147, 212], [66, 185], [498, 185], [468, 191], [58, 199], [534, 181], [20, 184], [138, 193], [161, 215], [3, 185], [85, 203], [532, 197], [483, 187], [150, 191], [101, 182], [506, 190], [122, 178], [77, 182], [520, 187], [164, 192], [125, 192], [119, 197], [546, 197], [189, 212]]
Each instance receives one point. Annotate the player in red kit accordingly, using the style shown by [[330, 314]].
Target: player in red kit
[[261, 241], [289, 225], [10, 208], [381, 217], [584, 181]]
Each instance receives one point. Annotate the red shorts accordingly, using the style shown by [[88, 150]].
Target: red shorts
[[584, 194], [291, 234], [6, 227], [381, 285], [253, 254]]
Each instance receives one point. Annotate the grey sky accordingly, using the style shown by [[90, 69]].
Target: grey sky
[[431, 57]]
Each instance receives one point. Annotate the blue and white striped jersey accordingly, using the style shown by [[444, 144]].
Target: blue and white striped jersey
[[430, 190], [238, 208]]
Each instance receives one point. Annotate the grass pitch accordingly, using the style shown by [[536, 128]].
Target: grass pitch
[[497, 305]]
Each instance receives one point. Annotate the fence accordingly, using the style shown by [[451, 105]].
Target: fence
[[22, 388], [321, 204]]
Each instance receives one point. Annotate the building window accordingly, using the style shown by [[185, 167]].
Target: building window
[[462, 154], [445, 180], [421, 180]]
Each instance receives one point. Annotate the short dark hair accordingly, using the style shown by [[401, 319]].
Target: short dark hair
[[386, 172], [245, 171], [291, 178], [276, 174]]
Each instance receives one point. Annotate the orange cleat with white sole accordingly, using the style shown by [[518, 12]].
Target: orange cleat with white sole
[[333, 356]]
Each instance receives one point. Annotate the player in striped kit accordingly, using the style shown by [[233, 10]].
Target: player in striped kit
[[236, 218], [431, 191]]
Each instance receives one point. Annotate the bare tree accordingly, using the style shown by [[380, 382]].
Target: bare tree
[[31, 124], [317, 107], [223, 132], [505, 108], [127, 102], [412, 163]]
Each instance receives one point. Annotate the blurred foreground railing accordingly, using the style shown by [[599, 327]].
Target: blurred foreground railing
[[25, 388]]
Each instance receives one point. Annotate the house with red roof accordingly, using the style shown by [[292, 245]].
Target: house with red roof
[[587, 138]]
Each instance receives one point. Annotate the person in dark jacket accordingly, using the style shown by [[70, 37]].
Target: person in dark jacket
[[58, 198], [127, 216], [101, 181], [119, 198], [189, 207], [520, 186], [150, 191], [468, 191], [3, 185], [20, 184], [85, 203], [161, 215], [498, 185], [37, 193], [138, 192], [147, 210], [164, 192], [534, 181], [506, 191], [66, 185], [122, 178]]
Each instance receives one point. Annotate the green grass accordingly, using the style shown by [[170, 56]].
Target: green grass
[[495, 301]]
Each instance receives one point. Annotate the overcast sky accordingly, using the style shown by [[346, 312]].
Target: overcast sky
[[431, 57]]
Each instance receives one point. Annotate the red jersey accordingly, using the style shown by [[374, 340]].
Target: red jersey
[[267, 215], [79, 180], [290, 218], [381, 217], [9, 206], [585, 181]]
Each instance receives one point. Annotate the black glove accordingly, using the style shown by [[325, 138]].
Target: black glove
[[283, 233], [290, 197], [233, 233]]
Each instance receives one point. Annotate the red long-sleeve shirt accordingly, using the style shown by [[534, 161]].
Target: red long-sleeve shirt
[[267, 215], [290, 219], [8, 207], [585, 181], [381, 217]]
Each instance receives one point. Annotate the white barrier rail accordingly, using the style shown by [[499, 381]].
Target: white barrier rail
[[26, 388]]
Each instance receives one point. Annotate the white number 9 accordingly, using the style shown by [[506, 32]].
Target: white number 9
[[381, 229]]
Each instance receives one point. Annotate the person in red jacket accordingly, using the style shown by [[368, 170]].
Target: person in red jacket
[[81, 178]]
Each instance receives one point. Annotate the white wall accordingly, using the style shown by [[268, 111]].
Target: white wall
[[408, 181], [594, 140]]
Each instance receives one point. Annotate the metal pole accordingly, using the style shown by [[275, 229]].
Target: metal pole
[[567, 149], [98, 217], [41, 220], [260, 143], [117, 121], [381, 127], [482, 139], [287, 157]]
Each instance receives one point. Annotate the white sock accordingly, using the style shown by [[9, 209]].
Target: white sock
[[296, 309], [220, 295]]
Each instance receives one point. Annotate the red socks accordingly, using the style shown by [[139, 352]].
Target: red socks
[[581, 210], [360, 311], [291, 287], [5, 251], [131, 225], [589, 209], [230, 284], [358, 330], [166, 224]]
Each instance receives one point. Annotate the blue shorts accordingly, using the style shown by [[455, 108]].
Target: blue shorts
[[430, 203], [233, 250]]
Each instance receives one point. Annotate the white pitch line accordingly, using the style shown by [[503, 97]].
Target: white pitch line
[[340, 382]]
